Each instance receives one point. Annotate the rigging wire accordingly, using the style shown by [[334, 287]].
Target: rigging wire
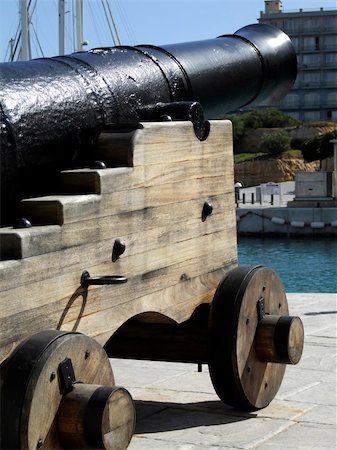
[[31, 23], [13, 47], [93, 21], [109, 26], [37, 39], [127, 27], [113, 23]]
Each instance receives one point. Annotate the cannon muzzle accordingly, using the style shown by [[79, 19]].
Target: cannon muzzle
[[52, 109]]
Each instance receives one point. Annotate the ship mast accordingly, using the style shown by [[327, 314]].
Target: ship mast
[[79, 25], [25, 41], [61, 27]]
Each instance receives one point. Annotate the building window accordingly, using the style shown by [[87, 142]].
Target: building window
[[330, 78], [310, 24], [291, 25], [330, 59], [330, 42], [312, 99], [331, 99], [311, 115], [330, 23], [310, 42], [331, 114], [311, 60], [294, 114], [291, 100], [311, 78], [316, 43]]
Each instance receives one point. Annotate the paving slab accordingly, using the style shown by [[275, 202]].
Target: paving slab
[[177, 407]]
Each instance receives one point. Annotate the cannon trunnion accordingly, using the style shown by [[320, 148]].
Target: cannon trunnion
[[141, 259]]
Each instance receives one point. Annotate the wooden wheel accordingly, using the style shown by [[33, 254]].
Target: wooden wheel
[[58, 392], [251, 337]]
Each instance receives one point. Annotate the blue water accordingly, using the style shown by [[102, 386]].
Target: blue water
[[304, 265]]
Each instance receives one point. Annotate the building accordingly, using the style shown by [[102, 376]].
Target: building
[[314, 34]]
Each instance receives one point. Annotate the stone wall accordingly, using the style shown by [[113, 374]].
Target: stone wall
[[253, 173]]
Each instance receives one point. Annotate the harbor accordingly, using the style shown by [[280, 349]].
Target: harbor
[[272, 215], [303, 264]]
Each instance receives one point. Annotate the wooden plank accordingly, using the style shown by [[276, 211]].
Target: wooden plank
[[27, 242], [102, 311], [37, 240], [192, 182], [57, 278], [97, 255], [173, 260], [160, 142]]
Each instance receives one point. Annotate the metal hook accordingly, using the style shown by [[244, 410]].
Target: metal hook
[[87, 280]]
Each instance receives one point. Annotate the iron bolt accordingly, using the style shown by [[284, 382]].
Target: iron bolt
[[22, 223], [207, 210], [98, 165], [118, 249]]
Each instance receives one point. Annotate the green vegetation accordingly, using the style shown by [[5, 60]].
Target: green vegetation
[[292, 154], [319, 147], [277, 143], [288, 154], [259, 118], [243, 157]]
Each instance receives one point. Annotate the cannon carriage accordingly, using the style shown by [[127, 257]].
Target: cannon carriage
[[135, 254]]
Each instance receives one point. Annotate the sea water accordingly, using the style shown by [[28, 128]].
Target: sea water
[[304, 265]]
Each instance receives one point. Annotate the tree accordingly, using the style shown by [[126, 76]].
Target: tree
[[319, 147], [276, 143], [267, 118]]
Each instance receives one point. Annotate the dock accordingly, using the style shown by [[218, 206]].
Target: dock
[[272, 215]]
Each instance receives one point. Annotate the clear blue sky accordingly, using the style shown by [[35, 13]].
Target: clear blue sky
[[139, 22]]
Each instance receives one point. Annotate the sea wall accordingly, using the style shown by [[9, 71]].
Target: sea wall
[[287, 221]]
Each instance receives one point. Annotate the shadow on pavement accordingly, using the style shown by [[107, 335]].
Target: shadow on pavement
[[155, 417]]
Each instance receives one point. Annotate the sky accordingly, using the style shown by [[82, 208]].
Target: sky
[[140, 22]]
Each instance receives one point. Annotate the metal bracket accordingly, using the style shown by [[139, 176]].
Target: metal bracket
[[260, 309], [66, 374], [191, 111]]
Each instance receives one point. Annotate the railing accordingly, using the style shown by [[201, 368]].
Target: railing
[[315, 84], [308, 10]]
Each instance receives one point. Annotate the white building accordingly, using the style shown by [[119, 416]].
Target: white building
[[314, 34]]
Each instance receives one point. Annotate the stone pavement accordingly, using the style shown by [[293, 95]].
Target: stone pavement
[[177, 408]]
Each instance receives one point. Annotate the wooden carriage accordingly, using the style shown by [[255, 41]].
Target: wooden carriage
[[137, 260]]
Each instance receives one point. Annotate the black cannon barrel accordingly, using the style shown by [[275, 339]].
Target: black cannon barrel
[[50, 108]]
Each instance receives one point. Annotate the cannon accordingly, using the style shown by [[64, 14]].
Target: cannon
[[51, 110], [132, 254]]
